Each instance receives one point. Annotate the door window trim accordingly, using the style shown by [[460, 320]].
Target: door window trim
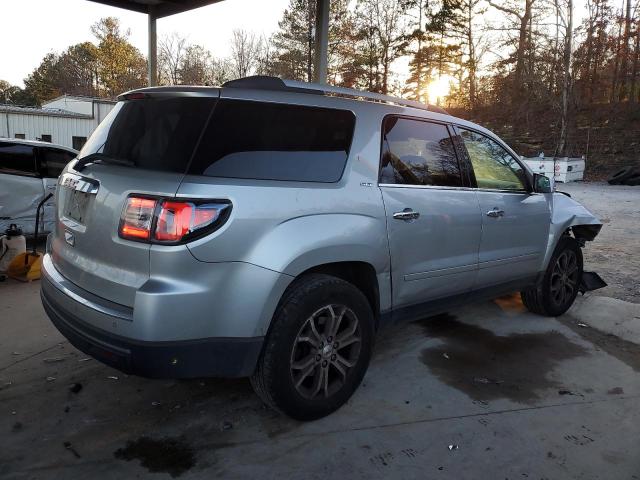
[[466, 184], [472, 176]]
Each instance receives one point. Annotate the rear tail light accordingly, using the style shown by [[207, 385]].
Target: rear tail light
[[137, 218], [159, 220]]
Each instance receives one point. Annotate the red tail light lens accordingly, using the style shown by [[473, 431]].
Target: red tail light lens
[[174, 221], [137, 218], [170, 221]]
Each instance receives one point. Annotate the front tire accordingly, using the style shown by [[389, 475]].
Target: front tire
[[318, 348], [558, 289]]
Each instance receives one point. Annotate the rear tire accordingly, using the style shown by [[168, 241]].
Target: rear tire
[[558, 289], [318, 348]]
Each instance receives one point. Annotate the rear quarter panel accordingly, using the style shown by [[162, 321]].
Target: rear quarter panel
[[290, 227]]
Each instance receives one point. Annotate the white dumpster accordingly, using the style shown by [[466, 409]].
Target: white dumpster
[[561, 169], [569, 169]]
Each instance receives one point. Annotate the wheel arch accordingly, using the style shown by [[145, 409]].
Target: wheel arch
[[360, 274]]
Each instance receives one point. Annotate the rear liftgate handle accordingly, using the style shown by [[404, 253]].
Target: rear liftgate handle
[[408, 215]]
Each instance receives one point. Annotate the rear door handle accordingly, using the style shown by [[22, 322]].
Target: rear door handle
[[407, 215], [495, 213]]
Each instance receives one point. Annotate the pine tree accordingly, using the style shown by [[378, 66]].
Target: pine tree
[[294, 41]]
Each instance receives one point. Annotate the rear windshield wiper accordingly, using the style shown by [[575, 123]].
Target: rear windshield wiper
[[102, 158]]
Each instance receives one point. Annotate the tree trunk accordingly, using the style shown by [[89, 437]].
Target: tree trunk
[[614, 81], [596, 57], [566, 84], [633, 96], [472, 57], [521, 53], [552, 75], [310, 39], [587, 61], [385, 74], [624, 74], [418, 92]]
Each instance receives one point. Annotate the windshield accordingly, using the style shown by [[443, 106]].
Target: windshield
[[152, 133]]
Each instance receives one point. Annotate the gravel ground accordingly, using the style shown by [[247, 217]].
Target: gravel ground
[[615, 253]]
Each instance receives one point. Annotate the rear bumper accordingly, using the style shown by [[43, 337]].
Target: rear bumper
[[208, 357]]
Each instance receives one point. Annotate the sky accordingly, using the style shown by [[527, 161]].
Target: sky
[[33, 28]]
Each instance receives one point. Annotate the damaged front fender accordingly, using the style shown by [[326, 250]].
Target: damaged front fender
[[567, 214]]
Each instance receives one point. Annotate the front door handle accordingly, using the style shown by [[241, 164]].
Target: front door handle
[[407, 215], [495, 213]]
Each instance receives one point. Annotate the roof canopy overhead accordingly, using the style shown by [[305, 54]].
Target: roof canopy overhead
[[159, 8]]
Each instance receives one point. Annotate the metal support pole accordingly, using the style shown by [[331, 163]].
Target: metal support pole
[[152, 63], [322, 41]]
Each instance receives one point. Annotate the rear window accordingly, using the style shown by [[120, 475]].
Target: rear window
[[269, 141], [17, 159], [155, 133]]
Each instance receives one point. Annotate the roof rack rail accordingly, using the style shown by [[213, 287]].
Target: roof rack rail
[[265, 82]]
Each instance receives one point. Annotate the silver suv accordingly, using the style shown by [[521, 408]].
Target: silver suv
[[268, 229]]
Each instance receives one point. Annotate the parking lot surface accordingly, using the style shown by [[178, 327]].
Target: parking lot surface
[[485, 391]]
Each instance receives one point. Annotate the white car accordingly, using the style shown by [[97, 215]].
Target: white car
[[29, 170]]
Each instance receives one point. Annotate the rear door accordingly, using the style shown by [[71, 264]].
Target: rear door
[[433, 221], [515, 221], [157, 134], [21, 187]]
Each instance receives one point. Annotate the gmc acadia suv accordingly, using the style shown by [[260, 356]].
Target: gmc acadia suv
[[269, 228]]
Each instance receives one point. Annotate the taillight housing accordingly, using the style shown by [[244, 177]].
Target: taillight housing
[[170, 221]]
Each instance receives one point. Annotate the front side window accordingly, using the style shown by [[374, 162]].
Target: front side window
[[415, 152], [494, 167], [17, 159], [270, 141]]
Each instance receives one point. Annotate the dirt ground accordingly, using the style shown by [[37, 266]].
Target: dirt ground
[[488, 391]]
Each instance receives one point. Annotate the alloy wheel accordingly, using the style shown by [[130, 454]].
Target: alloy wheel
[[564, 278], [325, 350]]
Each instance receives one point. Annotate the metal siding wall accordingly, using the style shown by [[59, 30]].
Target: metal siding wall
[[61, 129]]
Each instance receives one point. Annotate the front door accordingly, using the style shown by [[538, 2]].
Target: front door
[[433, 222], [515, 221]]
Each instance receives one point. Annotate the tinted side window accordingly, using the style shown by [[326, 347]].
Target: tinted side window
[[270, 141], [416, 152], [17, 159], [493, 166], [53, 161]]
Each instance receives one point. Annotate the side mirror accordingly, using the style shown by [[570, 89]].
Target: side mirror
[[541, 184]]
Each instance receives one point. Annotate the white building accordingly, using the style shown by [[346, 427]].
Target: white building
[[67, 120]]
